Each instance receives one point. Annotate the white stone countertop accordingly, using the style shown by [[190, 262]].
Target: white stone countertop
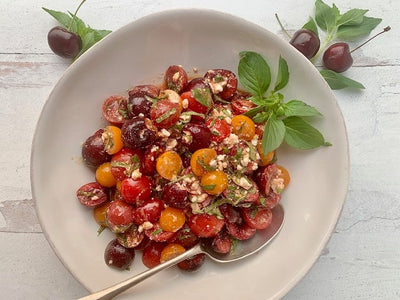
[[362, 258]]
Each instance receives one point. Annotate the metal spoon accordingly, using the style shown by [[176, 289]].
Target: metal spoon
[[243, 249]]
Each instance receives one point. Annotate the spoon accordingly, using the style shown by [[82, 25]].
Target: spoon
[[242, 250]]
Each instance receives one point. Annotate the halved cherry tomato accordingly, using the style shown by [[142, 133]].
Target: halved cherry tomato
[[243, 127], [220, 129], [104, 175], [200, 160], [115, 110]]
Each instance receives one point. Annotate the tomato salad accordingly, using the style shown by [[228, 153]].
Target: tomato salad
[[178, 164]]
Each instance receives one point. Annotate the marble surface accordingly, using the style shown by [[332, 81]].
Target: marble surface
[[362, 259]]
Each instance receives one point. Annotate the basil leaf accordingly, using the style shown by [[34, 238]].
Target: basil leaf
[[88, 40], [301, 135], [283, 75], [352, 32], [78, 26], [274, 133], [208, 187], [203, 96], [352, 17], [63, 18], [326, 16], [261, 117], [311, 25], [338, 81], [254, 73], [300, 109], [254, 111]]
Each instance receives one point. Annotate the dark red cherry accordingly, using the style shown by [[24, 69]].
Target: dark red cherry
[[337, 57], [306, 41], [63, 42]]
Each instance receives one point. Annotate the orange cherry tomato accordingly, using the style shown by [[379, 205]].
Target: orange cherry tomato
[[172, 219], [169, 164], [214, 182], [99, 214], [243, 127], [170, 251], [284, 174], [112, 139], [265, 159], [201, 159], [104, 175]]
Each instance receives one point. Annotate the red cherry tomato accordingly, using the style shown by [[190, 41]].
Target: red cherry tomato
[[241, 106], [165, 113], [149, 211], [125, 162], [115, 110], [175, 78], [204, 225], [158, 235], [152, 253], [119, 216], [136, 191], [223, 83], [257, 217], [220, 129]]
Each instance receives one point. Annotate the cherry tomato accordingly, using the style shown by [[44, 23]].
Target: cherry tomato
[[172, 219], [165, 113], [265, 159], [149, 211], [152, 253], [92, 194], [100, 213], [193, 263], [243, 127], [204, 225], [131, 238], [240, 231], [126, 163], [200, 160], [158, 235], [115, 110], [104, 175], [186, 237], [150, 159], [119, 216], [169, 165], [136, 191], [170, 251], [112, 139], [223, 83], [257, 217], [241, 106], [214, 182], [284, 174], [220, 129], [194, 105]]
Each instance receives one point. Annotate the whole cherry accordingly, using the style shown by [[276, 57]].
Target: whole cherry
[[306, 41], [63, 42], [337, 57]]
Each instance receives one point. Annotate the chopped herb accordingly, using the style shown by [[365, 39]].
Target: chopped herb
[[218, 78], [157, 231], [208, 187], [216, 133], [203, 96], [206, 167], [166, 115], [101, 229]]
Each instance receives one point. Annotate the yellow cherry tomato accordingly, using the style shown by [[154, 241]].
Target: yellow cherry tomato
[[104, 175], [243, 127], [169, 164], [214, 182], [201, 159]]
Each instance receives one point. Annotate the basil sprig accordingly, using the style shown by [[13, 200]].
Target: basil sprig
[[283, 120], [347, 26]]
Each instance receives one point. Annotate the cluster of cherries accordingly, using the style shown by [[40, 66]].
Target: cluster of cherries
[[179, 165], [337, 57]]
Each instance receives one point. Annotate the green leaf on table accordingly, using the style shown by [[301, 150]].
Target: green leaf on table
[[274, 133], [283, 75], [254, 73], [352, 32], [78, 26], [63, 18], [301, 135], [352, 17], [311, 25], [338, 81], [326, 16], [300, 109]]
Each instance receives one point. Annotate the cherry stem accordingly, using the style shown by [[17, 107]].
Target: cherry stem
[[74, 15], [283, 28], [371, 38]]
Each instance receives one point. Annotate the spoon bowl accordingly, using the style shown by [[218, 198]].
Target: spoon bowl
[[243, 249]]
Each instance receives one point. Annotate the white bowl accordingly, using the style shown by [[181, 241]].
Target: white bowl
[[139, 53]]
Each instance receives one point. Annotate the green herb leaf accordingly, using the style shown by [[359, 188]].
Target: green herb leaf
[[352, 32], [300, 109], [254, 111], [254, 73], [338, 81], [166, 115], [209, 187], [203, 96], [301, 135], [157, 231], [283, 75], [311, 25], [274, 133], [261, 117], [326, 16], [63, 18], [352, 17]]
